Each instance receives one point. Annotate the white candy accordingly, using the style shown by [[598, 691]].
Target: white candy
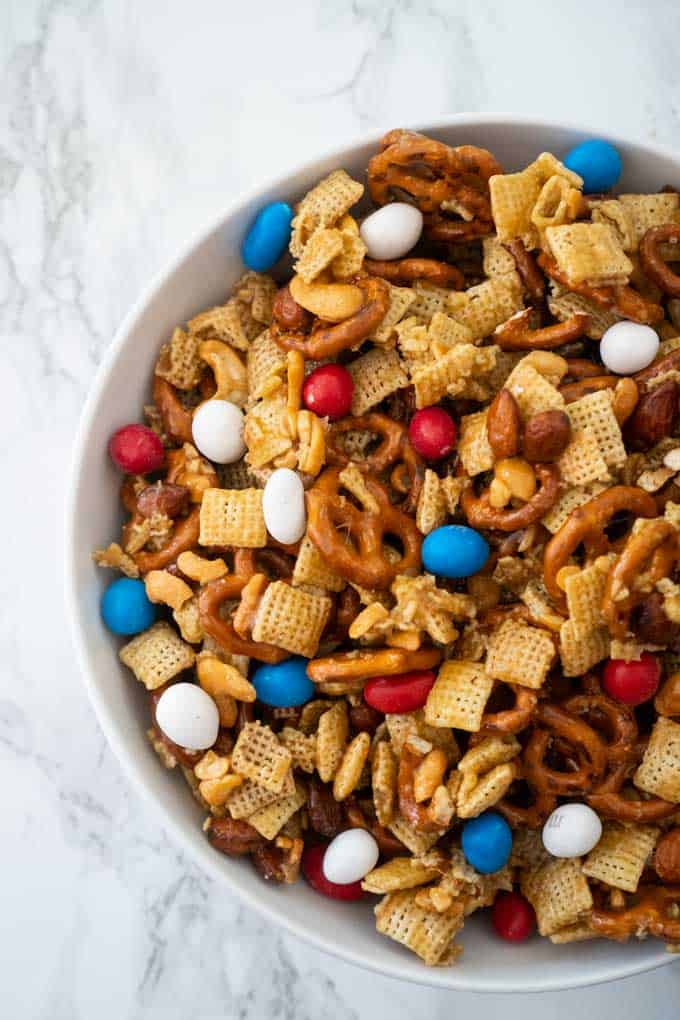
[[350, 856], [628, 347], [283, 505], [391, 232], [218, 431], [188, 716], [571, 831]]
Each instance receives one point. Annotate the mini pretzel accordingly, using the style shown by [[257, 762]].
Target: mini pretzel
[[404, 271], [533, 815], [586, 524], [368, 662], [416, 813], [621, 299], [394, 449], [174, 415], [655, 549], [532, 278], [481, 514], [334, 520], [609, 800], [184, 536], [654, 266], [576, 739], [327, 341], [670, 363], [516, 335], [512, 720], [620, 730], [444, 230], [429, 172], [654, 912]]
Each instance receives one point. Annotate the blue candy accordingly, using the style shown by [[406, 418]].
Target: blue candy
[[284, 684], [126, 608], [597, 162], [487, 842], [268, 237], [454, 551]]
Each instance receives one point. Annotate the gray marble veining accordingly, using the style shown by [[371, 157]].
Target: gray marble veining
[[124, 127]]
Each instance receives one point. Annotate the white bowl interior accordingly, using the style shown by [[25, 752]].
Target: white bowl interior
[[202, 277]]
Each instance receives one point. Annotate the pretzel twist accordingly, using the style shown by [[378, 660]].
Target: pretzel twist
[[351, 539], [531, 276], [619, 298], [368, 662], [512, 720], [481, 514], [654, 913], [577, 741], [586, 524], [403, 271], [327, 341], [610, 801], [183, 537], [654, 266], [176, 418], [651, 551], [516, 334]]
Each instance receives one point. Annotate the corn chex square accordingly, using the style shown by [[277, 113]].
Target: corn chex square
[[414, 840], [323, 206], [375, 375], [578, 654], [157, 655], [584, 592], [429, 300], [250, 797], [432, 506], [270, 820], [258, 755], [563, 304], [559, 894], [589, 252], [659, 772], [322, 247], [301, 745], [424, 932], [265, 366], [621, 854], [400, 301], [582, 461], [459, 696], [398, 874], [474, 448], [594, 412], [179, 362], [233, 517], [264, 432], [331, 740], [520, 654], [446, 375], [513, 196], [579, 932], [648, 211], [532, 391], [497, 260], [483, 307], [291, 618], [568, 501], [311, 569], [232, 322]]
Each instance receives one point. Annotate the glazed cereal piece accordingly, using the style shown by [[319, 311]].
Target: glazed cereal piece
[[584, 590], [250, 797], [302, 746], [532, 391], [258, 755], [659, 773], [291, 618], [331, 741], [474, 449], [432, 508], [400, 301], [323, 246], [520, 654], [620, 857], [233, 517], [582, 462], [271, 819], [157, 655], [589, 253], [578, 495], [323, 206], [487, 305], [488, 770], [179, 362], [265, 366], [350, 769], [459, 696], [375, 375], [559, 894], [594, 412], [311, 569], [417, 842], [580, 653], [563, 304], [424, 932], [384, 782]]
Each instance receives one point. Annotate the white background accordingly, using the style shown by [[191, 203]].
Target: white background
[[125, 126]]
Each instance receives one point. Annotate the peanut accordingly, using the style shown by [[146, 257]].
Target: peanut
[[499, 494], [518, 476]]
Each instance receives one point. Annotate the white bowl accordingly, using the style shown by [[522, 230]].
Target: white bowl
[[198, 278]]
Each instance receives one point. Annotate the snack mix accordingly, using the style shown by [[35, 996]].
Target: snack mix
[[402, 547]]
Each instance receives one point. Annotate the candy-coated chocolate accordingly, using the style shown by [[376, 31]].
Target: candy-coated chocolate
[[328, 391], [283, 684], [572, 830], [217, 429], [312, 869], [628, 347], [632, 682], [404, 693], [126, 608], [188, 716], [487, 842], [283, 506], [454, 550], [432, 433], [513, 917], [136, 449], [350, 856], [597, 162], [391, 232], [268, 237]]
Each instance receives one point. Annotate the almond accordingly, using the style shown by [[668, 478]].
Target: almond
[[504, 425], [667, 857], [654, 417], [546, 436]]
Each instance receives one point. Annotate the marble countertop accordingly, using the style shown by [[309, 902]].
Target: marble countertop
[[124, 126]]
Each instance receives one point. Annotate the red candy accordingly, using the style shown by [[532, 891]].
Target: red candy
[[312, 869], [632, 682], [136, 450], [403, 693], [432, 432], [328, 390], [513, 917]]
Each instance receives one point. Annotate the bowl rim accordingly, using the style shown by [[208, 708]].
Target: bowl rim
[[448, 978]]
